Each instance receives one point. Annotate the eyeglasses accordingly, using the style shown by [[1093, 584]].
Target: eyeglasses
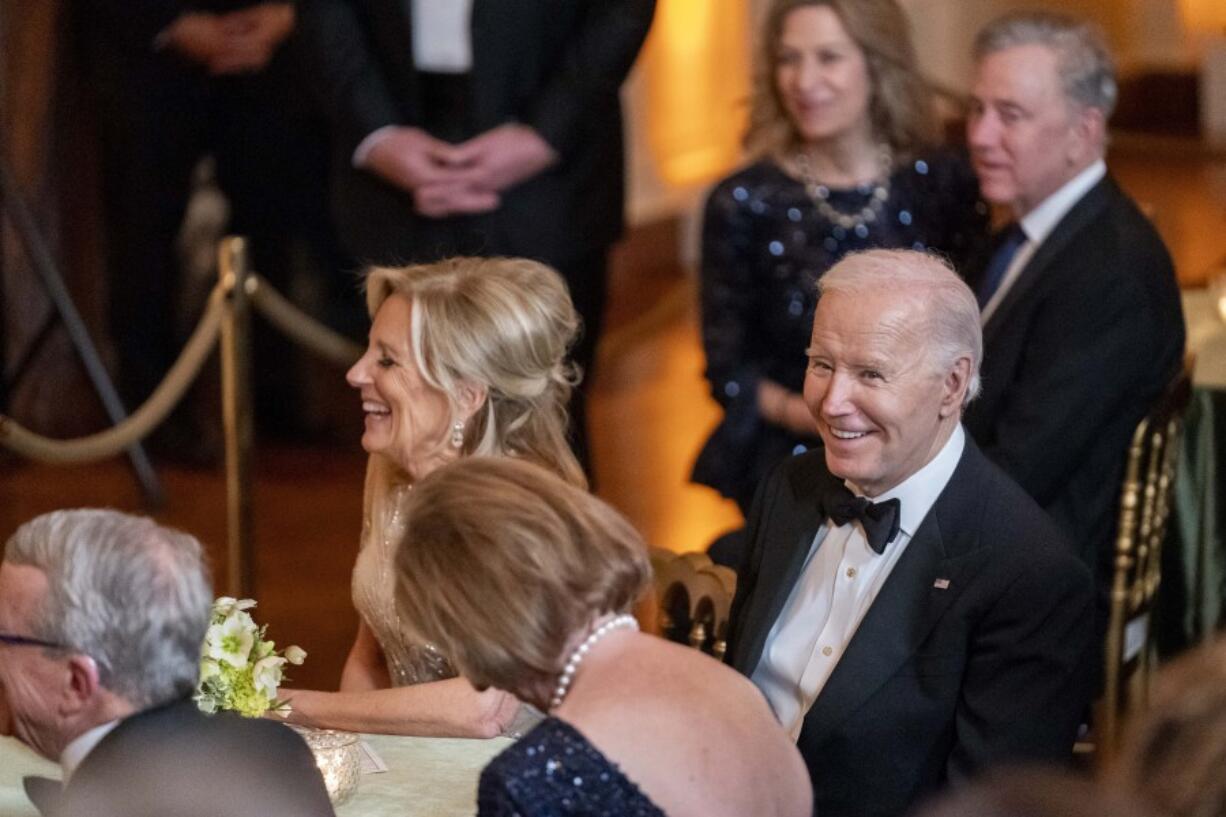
[[27, 641]]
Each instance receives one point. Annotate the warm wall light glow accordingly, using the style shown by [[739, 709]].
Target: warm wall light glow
[[697, 69], [1204, 16]]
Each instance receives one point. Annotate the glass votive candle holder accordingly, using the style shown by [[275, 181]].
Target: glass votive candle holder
[[336, 755]]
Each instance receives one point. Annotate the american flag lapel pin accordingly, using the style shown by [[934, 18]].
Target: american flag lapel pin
[[941, 584]]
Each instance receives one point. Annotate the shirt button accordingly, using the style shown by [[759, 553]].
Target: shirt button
[[826, 651], [851, 572]]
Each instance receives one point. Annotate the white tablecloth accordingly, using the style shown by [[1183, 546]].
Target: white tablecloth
[[1206, 338]]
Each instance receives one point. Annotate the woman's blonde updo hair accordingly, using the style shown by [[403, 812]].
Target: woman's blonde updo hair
[[505, 324], [902, 104]]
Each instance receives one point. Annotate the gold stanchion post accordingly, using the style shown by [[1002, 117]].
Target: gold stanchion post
[[236, 413]]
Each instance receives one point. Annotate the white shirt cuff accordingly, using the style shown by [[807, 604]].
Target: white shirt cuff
[[362, 151]]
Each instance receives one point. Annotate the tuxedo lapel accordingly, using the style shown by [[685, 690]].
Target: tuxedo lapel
[[788, 543], [1075, 220], [937, 565]]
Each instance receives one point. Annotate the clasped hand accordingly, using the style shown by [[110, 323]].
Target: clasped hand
[[446, 179], [239, 42]]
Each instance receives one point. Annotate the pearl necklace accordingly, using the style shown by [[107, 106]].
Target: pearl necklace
[[820, 193], [623, 622]]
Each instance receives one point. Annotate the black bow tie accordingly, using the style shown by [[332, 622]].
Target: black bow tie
[[880, 520]]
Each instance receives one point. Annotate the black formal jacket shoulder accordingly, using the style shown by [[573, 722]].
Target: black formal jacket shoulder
[[555, 65], [977, 649], [1078, 351], [175, 760]]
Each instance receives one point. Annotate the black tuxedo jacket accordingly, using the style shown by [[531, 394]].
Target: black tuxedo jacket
[[1074, 356], [555, 65], [976, 651], [174, 761]]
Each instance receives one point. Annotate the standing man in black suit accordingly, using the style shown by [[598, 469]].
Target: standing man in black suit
[[481, 127], [102, 616], [1082, 322], [909, 613], [172, 81]]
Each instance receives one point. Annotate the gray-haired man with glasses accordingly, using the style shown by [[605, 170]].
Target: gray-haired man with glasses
[[102, 616]]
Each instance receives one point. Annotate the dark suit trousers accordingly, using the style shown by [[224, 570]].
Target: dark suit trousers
[[157, 115]]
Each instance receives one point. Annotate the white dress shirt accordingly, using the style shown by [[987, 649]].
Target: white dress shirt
[[82, 745], [442, 35], [841, 577], [442, 44], [1038, 224]]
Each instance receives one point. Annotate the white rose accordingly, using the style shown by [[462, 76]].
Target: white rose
[[231, 640], [295, 654], [266, 675]]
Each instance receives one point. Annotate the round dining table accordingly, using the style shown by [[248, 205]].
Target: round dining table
[[425, 776]]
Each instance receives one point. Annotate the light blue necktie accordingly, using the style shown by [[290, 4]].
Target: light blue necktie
[[1013, 239]]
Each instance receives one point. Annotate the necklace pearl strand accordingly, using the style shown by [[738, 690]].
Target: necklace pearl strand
[[623, 622], [820, 193]]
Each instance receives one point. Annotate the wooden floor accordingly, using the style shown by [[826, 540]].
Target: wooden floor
[[650, 412]]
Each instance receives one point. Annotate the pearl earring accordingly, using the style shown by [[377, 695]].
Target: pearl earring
[[457, 434]]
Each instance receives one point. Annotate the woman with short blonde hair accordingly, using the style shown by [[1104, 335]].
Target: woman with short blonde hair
[[467, 356], [527, 582]]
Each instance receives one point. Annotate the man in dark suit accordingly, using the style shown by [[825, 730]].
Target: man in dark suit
[[909, 613], [1082, 321], [480, 127], [102, 616], [170, 82]]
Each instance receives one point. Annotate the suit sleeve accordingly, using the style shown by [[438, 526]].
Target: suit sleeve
[[1088, 352], [1029, 671], [597, 57], [336, 51], [134, 23]]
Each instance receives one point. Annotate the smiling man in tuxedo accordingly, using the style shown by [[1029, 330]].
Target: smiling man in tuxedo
[[102, 616], [907, 610], [1082, 323]]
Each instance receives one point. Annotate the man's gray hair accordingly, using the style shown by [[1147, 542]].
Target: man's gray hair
[[950, 328], [1087, 70], [129, 593]]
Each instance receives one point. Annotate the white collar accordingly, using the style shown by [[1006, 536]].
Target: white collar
[[1040, 221], [82, 745], [918, 492]]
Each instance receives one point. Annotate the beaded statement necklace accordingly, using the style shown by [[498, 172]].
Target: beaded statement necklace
[[622, 622], [820, 193]]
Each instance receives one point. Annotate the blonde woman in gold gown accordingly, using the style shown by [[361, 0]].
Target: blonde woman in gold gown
[[466, 356]]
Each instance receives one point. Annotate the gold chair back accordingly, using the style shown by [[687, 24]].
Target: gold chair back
[[1146, 499], [692, 599]]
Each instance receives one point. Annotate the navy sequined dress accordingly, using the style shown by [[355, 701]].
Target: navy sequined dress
[[764, 245], [554, 772]]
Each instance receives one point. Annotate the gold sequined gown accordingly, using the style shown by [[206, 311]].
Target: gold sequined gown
[[373, 597]]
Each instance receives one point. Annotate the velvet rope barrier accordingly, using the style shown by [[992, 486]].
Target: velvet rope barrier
[[299, 326], [113, 440]]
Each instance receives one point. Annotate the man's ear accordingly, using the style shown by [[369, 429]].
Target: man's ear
[[953, 390], [81, 685], [470, 397], [1090, 128]]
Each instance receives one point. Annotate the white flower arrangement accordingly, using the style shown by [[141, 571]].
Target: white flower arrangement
[[239, 670]]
